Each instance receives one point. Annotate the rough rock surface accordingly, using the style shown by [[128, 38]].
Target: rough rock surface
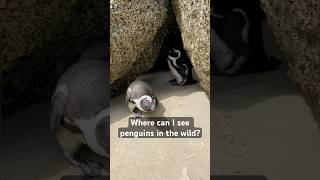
[[38, 40], [137, 30], [193, 18], [296, 26]]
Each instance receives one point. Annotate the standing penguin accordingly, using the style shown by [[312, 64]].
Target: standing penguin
[[80, 113], [181, 67], [140, 98], [237, 35], [230, 50]]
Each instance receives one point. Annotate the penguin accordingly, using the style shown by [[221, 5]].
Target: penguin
[[227, 58], [181, 67], [237, 35], [140, 98], [80, 113]]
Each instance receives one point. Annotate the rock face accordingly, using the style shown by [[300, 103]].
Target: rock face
[[137, 30], [193, 17], [296, 26], [38, 40]]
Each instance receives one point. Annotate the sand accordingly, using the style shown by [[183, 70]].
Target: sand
[[30, 152], [263, 126], [163, 158]]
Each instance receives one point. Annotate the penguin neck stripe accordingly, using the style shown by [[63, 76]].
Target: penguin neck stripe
[[174, 59]]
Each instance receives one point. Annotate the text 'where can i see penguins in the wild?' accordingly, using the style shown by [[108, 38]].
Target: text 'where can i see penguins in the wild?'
[[160, 127]]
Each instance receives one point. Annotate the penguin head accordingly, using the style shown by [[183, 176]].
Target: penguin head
[[147, 103], [174, 53], [178, 66]]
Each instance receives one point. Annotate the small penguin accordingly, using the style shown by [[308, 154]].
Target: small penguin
[[80, 113], [237, 33], [230, 53], [181, 67], [140, 98]]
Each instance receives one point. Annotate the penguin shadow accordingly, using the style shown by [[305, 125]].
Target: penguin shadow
[[167, 87]]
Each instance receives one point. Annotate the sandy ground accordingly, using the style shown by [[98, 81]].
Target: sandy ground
[[163, 158], [31, 153], [262, 126], [29, 150]]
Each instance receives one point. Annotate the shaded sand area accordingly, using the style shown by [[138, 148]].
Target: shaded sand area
[[263, 126], [28, 148], [30, 152], [163, 158]]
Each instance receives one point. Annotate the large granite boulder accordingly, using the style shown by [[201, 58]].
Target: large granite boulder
[[39, 40], [296, 26], [193, 17], [137, 30]]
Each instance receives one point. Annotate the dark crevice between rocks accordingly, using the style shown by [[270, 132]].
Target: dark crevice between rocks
[[31, 78]]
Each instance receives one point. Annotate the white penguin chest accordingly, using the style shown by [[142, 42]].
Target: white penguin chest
[[88, 128], [173, 70]]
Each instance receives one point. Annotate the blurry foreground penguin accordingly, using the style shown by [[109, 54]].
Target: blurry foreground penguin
[[236, 33], [140, 98], [80, 113], [181, 67]]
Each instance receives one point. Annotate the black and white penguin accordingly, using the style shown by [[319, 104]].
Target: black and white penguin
[[80, 113], [181, 67], [227, 58], [140, 98], [236, 36]]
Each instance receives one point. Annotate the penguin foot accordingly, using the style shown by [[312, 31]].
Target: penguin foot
[[137, 114], [173, 82], [86, 167]]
